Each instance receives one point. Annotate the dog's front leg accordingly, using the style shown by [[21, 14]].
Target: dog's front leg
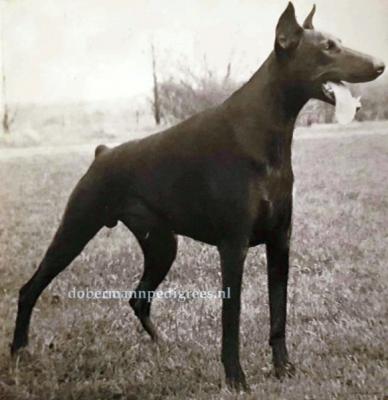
[[232, 256], [278, 265]]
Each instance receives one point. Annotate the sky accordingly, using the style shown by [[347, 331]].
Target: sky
[[87, 50]]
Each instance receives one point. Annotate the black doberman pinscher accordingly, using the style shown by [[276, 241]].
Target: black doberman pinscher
[[223, 177]]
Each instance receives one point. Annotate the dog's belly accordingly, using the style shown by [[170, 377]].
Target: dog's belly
[[213, 224]]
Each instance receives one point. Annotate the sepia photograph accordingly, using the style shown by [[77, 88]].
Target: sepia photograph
[[193, 199]]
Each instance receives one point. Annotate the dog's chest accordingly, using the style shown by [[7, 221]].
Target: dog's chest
[[273, 199]]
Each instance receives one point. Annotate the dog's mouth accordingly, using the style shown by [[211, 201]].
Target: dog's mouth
[[338, 94], [327, 90]]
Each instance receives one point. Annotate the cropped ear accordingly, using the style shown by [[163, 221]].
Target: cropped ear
[[288, 31], [308, 22]]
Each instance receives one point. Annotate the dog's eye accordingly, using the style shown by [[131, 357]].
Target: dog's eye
[[330, 45]]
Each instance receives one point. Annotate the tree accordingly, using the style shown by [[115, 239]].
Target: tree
[[188, 91], [6, 121], [156, 99]]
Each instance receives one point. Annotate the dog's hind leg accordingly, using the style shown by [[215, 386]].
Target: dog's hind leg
[[81, 221], [159, 246]]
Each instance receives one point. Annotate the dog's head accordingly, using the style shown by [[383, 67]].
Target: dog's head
[[314, 58]]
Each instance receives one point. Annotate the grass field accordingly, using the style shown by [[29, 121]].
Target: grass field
[[337, 325]]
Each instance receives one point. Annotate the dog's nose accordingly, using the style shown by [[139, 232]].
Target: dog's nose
[[379, 67]]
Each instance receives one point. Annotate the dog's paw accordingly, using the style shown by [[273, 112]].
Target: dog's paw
[[21, 353], [236, 381], [285, 370]]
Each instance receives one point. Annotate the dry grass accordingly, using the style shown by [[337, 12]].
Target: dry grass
[[95, 350]]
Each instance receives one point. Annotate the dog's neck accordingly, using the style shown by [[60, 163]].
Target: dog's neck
[[271, 97], [264, 111]]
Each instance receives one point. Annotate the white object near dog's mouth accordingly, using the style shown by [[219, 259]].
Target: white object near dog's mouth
[[346, 105]]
